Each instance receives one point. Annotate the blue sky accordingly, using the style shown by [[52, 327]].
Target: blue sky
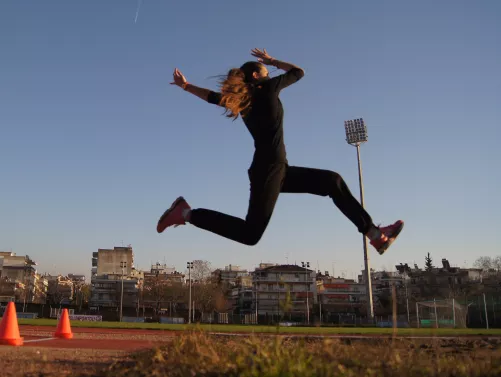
[[95, 144]]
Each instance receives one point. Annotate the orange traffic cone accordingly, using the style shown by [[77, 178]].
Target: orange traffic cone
[[63, 330], [9, 329]]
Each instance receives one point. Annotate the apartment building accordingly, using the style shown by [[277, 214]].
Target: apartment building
[[338, 296], [272, 284], [113, 269], [165, 273], [230, 275], [18, 278], [240, 296]]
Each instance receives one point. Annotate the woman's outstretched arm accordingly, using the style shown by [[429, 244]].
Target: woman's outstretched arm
[[293, 73], [202, 93], [265, 58]]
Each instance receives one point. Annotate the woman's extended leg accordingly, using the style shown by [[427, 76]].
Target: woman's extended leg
[[328, 183], [266, 184]]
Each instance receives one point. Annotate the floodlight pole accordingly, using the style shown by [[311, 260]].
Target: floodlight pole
[[370, 306], [356, 140], [122, 266], [189, 265], [307, 281]]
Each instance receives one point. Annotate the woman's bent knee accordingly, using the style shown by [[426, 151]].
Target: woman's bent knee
[[252, 236]]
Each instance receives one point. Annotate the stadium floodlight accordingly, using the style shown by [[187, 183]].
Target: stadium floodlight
[[356, 134], [356, 131]]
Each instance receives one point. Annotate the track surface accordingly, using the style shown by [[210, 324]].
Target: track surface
[[98, 330], [94, 338], [135, 339], [95, 344]]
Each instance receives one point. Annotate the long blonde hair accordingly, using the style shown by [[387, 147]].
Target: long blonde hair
[[237, 88]]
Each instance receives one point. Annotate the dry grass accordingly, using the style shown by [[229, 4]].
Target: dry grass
[[201, 354], [51, 362], [204, 355]]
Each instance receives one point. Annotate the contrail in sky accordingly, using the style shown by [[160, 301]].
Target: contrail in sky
[[137, 11]]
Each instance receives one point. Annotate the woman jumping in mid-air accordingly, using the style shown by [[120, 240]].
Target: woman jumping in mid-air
[[248, 91]]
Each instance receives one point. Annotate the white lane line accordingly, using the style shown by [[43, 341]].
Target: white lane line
[[340, 336], [38, 340]]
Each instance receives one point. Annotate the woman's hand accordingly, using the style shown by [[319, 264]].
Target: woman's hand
[[262, 56], [179, 78]]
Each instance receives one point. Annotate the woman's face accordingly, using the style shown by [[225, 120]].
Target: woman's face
[[261, 73]]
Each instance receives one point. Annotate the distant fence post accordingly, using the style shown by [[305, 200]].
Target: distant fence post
[[417, 315], [486, 316], [436, 316], [454, 313]]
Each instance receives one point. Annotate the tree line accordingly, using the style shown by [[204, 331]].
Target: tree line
[[484, 263], [207, 292]]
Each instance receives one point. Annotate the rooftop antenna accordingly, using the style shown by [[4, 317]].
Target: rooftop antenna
[[287, 257]]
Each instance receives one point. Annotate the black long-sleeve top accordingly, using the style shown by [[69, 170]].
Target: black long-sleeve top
[[265, 118]]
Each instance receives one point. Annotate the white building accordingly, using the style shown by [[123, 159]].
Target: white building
[[273, 283]]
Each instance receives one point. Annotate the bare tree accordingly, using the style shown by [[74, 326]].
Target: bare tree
[[6, 287], [175, 293], [207, 293], [209, 297], [54, 295], [202, 271], [496, 263], [285, 304], [485, 263], [85, 294], [220, 300], [154, 291], [161, 292]]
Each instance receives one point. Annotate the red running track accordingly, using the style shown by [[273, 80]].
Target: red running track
[[96, 344], [97, 330], [102, 344]]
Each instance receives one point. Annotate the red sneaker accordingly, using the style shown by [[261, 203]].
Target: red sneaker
[[174, 215], [388, 235]]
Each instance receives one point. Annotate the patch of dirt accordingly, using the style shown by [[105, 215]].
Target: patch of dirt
[[54, 362]]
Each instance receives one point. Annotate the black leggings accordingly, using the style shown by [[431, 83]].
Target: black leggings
[[266, 185]]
